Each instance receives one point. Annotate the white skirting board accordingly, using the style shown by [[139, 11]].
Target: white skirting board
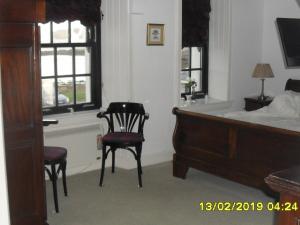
[[124, 160]]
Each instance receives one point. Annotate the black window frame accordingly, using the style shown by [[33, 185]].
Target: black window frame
[[203, 74], [93, 42]]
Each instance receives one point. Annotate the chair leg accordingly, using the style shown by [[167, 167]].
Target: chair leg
[[139, 166], [113, 160], [63, 169], [54, 179], [103, 165]]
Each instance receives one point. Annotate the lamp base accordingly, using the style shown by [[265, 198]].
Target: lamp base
[[262, 98]]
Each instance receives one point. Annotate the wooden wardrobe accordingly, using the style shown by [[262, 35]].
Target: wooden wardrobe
[[21, 90]]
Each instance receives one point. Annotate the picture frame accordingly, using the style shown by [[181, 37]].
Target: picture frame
[[155, 34]]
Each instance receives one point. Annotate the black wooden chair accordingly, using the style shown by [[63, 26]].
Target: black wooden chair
[[55, 156], [125, 131]]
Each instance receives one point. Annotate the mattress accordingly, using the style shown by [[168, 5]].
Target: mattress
[[268, 119], [283, 112]]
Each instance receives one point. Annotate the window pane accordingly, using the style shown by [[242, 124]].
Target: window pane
[[47, 62], [48, 92], [196, 57], [65, 91], [45, 33], [83, 60], [196, 76], [60, 32], [78, 32], [185, 58], [83, 89], [184, 80], [64, 61]]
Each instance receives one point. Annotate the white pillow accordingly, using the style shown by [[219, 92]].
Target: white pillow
[[293, 93], [296, 96], [284, 105]]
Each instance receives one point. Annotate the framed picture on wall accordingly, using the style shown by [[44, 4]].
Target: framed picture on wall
[[155, 34]]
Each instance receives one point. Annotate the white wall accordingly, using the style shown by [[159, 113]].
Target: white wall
[[219, 49], [272, 52], [253, 39], [116, 51], [246, 48], [235, 48], [153, 72]]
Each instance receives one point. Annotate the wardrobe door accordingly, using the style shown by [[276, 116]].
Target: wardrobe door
[[21, 91]]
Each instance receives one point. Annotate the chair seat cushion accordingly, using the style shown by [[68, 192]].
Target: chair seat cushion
[[122, 138], [53, 154]]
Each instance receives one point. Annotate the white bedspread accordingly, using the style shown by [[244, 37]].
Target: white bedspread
[[273, 120], [283, 112]]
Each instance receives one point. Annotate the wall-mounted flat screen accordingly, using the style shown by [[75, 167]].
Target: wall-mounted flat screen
[[289, 30]]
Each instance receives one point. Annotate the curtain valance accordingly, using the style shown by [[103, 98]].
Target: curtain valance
[[195, 22], [87, 11]]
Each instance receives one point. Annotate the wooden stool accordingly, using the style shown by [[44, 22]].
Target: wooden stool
[[56, 156]]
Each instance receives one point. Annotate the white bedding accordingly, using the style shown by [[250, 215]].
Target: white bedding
[[283, 112]]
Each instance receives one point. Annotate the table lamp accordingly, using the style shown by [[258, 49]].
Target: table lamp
[[262, 71]]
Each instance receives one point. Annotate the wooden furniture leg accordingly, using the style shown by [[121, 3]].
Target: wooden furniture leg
[[179, 168], [63, 170], [139, 166], [54, 185], [113, 153], [103, 165]]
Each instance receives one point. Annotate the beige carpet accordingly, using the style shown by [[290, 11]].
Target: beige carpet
[[164, 200]]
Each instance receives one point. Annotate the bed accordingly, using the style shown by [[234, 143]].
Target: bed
[[237, 150]]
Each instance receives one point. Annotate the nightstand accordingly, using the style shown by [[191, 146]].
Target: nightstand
[[252, 103]]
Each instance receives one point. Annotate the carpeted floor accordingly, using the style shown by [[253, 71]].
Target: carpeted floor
[[164, 200]]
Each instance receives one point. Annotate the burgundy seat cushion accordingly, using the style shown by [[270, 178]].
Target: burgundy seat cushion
[[122, 138], [53, 154]]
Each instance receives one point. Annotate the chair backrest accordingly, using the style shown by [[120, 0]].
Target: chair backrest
[[126, 116]]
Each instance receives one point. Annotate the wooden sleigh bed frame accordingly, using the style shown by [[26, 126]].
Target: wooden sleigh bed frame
[[240, 151]]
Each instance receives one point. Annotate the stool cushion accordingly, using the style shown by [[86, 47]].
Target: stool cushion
[[122, 138], [52, 154]]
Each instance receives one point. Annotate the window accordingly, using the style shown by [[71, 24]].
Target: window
[[70, 68], [195, 40], [193, 77]]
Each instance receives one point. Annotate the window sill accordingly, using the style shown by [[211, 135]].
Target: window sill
[[70, 122], [206, 105]]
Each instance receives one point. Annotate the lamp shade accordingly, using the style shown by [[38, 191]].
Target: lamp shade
[[263, 71]]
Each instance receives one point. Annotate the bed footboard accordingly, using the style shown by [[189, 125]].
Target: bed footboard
[[239, 151]]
